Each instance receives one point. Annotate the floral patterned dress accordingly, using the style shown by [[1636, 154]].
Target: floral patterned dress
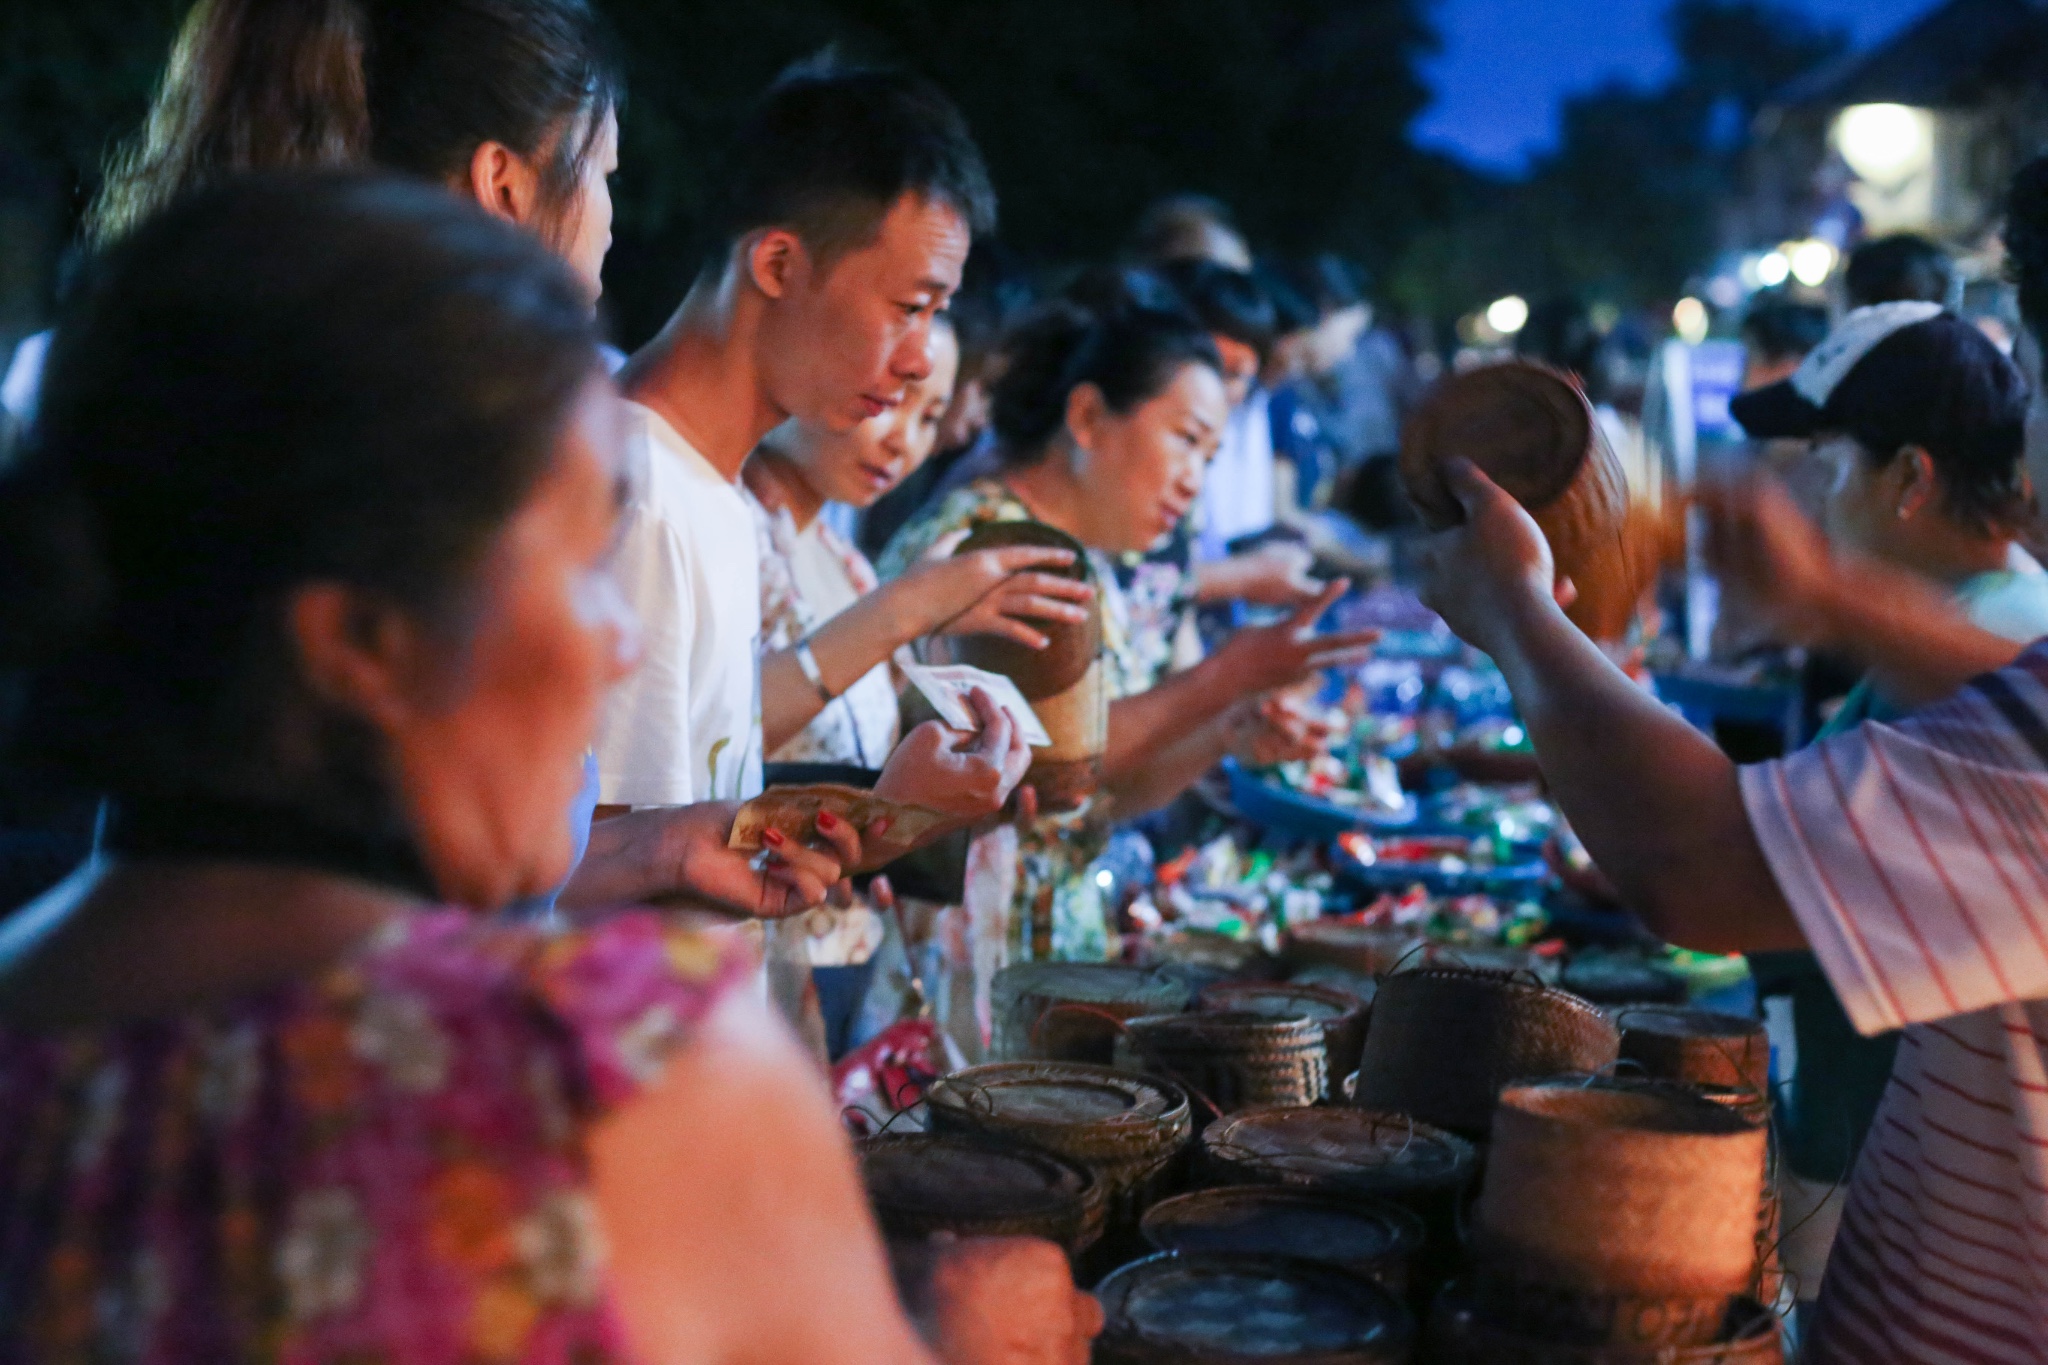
[[1051, 881], [383, 1165]]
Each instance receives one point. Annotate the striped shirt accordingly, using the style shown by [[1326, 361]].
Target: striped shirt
[[1915, 856]]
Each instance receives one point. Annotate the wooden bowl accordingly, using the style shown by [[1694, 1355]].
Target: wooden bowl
[[1530, 428], [1064, 682], [1213, 1309]]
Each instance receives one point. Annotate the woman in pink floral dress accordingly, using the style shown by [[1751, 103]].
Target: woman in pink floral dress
[[306, 570]]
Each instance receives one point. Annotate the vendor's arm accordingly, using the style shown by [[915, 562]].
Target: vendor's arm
[[1657, 805], [998, 592], [1275, 574], [1913, 638], [1256, 660], [1260, 732]]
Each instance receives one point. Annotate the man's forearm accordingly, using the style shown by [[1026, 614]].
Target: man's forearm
[[1143, 724], [1168, 772], [1655, 802]]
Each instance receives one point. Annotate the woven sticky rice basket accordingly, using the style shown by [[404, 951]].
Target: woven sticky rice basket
[[1617, 1212], [1213, 1309], [1444, 1041], [1342, 1016], [1460, 1334], [972, 1186], [1074, 1011], [1369, 1237], [1232, 1059], [1126, 1129], [1697, 1047]]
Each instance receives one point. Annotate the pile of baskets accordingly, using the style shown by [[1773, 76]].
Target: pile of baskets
[[1440, 1163]]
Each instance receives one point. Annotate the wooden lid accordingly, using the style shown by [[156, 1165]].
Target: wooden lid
[[1280, 1220], [1059, 1094], [1527, 425], [1280, 1000], [945, 1179], [1073, 647], [1340, 1145], [1229, 1308], [1604, 1102]]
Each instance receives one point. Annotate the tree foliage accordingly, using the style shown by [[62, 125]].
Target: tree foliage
[[1632, 200]]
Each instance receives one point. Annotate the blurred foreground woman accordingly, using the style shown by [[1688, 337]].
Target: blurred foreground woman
[[308, 570]]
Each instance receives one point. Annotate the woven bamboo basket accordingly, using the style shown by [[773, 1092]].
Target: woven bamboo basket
[[1073, 1011], [1127, 1129], [1460, 1334], [922, 1183], [1444, 1041], [1698, 1047], [1366, 949], [1617, 1213], [1234, 1059], [1369, 1237], [1210, 1309], [1770, 1215], [1341, 1016]]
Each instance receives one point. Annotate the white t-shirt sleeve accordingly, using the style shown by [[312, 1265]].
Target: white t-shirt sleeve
[[643, 741], [1915, 855]]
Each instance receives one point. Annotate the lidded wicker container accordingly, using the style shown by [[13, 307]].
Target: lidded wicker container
[[1210, 1309], [1235, 1059], [1444, 1041], [1369, 1237], [1617, 1212], [1368, 950], [1698, 1047], [1461, 1334], [1125, 1129], [1073, 1011], [922, 1183], [1341, 1016]]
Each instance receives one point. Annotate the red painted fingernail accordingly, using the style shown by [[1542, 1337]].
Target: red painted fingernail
[[827, 820], [773, 836]]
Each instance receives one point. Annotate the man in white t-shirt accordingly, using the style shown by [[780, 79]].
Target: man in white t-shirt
[[848, 206]]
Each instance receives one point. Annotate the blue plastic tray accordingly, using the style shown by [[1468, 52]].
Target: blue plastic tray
[[1280, 808], [1516, 880]]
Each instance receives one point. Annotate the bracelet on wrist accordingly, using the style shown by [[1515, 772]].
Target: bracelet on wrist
[[808, 662]]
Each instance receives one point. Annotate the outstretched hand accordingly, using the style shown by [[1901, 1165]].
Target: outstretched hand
[[1263, 658], [1478, 574]]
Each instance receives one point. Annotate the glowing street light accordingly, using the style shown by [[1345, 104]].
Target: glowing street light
[[1509, 315], [1772, 269], [1812, 261], [1690, 319], [1885, 144]]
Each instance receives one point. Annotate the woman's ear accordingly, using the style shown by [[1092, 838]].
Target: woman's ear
[[362, 656], [1086, 410], [505, 183], [1920, 485]]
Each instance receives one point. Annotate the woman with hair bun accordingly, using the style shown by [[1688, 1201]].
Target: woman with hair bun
[[1106, 418]]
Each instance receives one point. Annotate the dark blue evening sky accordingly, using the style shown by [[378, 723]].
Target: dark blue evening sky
[[1506, 63]]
